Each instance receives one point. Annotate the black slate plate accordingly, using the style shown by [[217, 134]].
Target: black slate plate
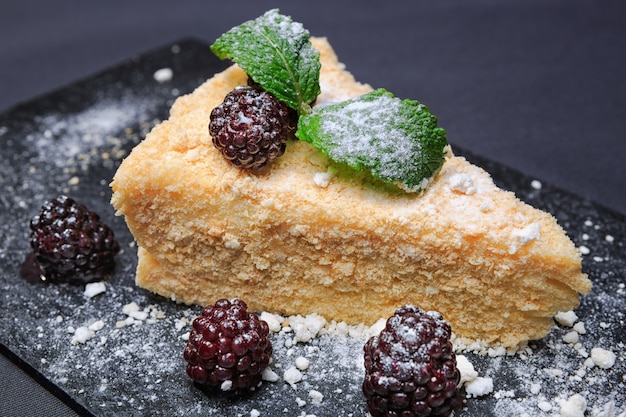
[[72, 141]]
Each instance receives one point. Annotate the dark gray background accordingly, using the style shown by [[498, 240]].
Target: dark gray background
[[538, 85]]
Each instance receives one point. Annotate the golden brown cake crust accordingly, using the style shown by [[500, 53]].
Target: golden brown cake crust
[[309, 236]]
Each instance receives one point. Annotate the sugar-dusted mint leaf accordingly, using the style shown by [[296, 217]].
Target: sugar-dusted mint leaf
[[276, 53], [397, 140]]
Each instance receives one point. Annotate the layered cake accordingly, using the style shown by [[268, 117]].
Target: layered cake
[[307, 235]]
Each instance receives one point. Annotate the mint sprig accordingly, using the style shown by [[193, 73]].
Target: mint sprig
[[397, 140], [277, 54]]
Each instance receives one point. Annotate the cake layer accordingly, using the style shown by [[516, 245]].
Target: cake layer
[[309, 236]]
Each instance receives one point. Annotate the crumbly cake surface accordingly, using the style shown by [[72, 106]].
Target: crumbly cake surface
[[309, 236]]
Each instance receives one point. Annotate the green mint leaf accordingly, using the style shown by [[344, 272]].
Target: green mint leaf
[[397, 140], [277, 54]]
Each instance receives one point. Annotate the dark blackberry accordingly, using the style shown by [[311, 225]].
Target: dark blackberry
[[228, 347], [250, 127], [410, 368], [70, 243]]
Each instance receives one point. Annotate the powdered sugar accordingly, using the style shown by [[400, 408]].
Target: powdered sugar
[[137, 368], [67, 139], [361, 138], [321, 366]]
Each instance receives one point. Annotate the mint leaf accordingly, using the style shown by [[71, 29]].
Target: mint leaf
[[277, 54], [397, 140]]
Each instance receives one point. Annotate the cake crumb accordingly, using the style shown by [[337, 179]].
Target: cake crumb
[[302, 363], [292, 376], [528, 233], [504, 394], [321, 179], [567, 318], [536, 184], [544, 406], [574, 406], [580, 327], [306, 328], [316, 396], [602, 358], [571, 337], [137, 316], [535, 389], [522, 237], [131, 309], [82, 335], [465, 367], [479, 386], [226, 385], [273, 321], [179, 324], [462, 183], [255, 413], [94, 288], [496, 352], [269, 375], [96, 326], [163, 75]]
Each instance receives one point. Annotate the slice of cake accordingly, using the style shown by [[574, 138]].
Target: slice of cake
[[306, 235]]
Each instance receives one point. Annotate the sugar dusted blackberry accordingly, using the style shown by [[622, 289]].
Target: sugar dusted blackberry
[[250, 127], [228, 347], [410, 367], [70, 243]]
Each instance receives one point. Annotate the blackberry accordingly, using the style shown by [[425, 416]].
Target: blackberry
[[228, 347], [251, 127], [410, 367], [70, 243]]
